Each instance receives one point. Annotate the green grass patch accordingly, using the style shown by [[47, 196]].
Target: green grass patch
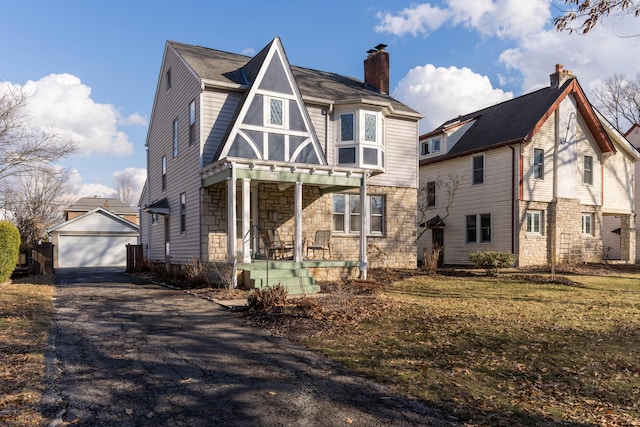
[[26, 311], [503, 351]]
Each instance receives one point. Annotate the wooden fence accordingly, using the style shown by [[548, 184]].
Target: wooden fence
[[135, 258], [42, 259]]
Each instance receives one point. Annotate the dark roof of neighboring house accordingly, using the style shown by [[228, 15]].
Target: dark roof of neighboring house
[[225, 67], [516, 120], [86, 204]]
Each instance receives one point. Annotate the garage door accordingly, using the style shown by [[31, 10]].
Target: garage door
[[93, 251]]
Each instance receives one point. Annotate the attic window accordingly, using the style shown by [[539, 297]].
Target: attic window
[[168, 80], [431, 145], [275, 112]]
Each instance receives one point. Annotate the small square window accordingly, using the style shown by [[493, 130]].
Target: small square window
[[347, 155]]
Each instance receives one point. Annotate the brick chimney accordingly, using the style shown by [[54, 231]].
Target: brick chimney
[[561, 75], [376, 69], [106, 204]]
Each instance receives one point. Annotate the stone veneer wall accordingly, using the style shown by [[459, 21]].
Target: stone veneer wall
[[213, 233], [534, 248], [396, 249], [571, 245]]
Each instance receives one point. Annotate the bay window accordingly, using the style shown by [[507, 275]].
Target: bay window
[[360, 140]]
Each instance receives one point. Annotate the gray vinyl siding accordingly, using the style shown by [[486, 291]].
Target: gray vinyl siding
[[182, 171], [218, 109], [400, 154], [492, 197]]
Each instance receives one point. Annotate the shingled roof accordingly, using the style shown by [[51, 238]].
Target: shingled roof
[[226, 68], [517, 120], [86, 204]]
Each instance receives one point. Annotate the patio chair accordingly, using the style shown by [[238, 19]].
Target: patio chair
[[276, 246], [321, 242]]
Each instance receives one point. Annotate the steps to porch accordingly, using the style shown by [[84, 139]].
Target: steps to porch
[[291, 275]]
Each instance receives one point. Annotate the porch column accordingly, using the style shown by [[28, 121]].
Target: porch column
[[297, 241], [246, 220], [364, 226], [231, 217]]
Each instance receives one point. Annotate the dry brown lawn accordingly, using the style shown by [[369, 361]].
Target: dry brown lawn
[[516, 350], [26, 311]]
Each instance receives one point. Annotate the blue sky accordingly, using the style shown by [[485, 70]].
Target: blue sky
[[92, 67]]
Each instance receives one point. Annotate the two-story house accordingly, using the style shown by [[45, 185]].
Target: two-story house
[[537, 176], [249, 154]]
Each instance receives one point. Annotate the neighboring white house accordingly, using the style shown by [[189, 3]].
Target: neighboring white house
[[97, 238], [542, 176], [243, 149], [633, 136]]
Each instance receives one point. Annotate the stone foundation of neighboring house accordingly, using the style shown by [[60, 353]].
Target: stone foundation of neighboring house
[[562, 228]]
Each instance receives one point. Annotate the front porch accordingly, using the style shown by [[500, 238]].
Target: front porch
[[244, 201]]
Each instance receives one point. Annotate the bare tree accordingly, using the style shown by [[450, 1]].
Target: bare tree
[[448, 186], [36, 201], [126, 187], [21, 148], [618, 99], [583, 15]]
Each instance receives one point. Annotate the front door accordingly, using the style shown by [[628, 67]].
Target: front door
[[438, 243]]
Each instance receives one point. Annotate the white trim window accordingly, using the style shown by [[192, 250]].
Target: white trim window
[[587, 224], [587, 170], [183, 213], [175, 138], [538, 163], [346, 214], [431, 146], [192, 122], [359, 141], [276, 112], [164, 172], [477, 169], [431, 194], [534, 222], [478, 228]]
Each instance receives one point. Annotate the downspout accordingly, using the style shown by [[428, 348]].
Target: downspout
[[148, 219], [553, 226], [513, 203]]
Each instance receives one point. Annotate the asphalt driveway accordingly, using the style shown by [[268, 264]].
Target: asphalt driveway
[[126, 353]]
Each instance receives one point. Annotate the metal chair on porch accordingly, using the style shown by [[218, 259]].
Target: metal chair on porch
[[321, 242], [277, 247]]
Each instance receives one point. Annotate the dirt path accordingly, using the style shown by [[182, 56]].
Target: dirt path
[[131, 354]]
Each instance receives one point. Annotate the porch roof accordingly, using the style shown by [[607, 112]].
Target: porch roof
[[328, 178]]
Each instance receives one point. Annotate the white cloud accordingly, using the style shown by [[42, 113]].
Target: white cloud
[[444, 93], [416, 19], [134, 119], [139, 175], [62, 104], [502, 18], [591, 57], [81, 189], [249, 51]]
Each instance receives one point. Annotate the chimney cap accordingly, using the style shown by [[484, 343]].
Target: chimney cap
[[381, 46]]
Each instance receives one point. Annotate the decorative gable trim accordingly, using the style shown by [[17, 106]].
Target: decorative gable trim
[[587, 112], [272, 86]]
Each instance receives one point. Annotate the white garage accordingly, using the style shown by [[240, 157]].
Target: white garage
[[95, 239]]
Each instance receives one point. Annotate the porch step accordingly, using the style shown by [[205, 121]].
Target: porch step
[[291, 275]]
